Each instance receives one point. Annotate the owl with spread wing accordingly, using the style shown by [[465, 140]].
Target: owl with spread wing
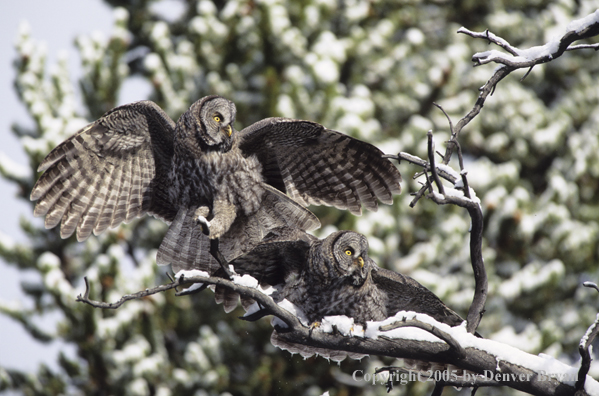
[[200, 175]]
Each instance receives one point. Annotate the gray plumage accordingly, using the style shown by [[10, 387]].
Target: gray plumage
[[335, 276], [332, 276], [136, 160]]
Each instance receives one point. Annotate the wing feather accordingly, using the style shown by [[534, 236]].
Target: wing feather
[[88, 221], [109, 205], [406, 294], [122, 200], [111, 171], [135, 191], [80, 200], [319, 166]]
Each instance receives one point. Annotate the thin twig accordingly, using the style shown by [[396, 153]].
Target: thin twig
[[431, 160], [126, 297], [418, 195], [459, 351], [448, 120], [583, 346]]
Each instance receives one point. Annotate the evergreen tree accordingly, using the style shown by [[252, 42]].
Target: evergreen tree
[[371, 69]]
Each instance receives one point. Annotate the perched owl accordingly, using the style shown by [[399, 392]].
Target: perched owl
[[201, 172], [335, 276], [329, 277]]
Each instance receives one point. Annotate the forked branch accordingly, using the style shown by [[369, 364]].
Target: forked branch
[[516, 58], [473, 354]]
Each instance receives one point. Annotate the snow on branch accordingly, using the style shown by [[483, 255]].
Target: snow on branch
[[407, 335], [516, 58]]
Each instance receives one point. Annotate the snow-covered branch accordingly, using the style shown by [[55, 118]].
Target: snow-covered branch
[[516, 58], [527, 58], [406, 335], [490, 360]]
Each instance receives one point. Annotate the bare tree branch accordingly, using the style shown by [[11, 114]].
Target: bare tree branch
[[141, 294], [458, 350], [521, 59], [477, 308], [477, 355], [583, 347]]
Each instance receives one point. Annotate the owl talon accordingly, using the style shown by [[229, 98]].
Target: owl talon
[[205, 224], [314, 325]]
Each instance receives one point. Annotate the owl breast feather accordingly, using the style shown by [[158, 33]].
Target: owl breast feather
[[225, 176]]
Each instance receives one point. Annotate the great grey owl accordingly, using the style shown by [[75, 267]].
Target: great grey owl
[[136, 160], [333, 276], [329, 277]]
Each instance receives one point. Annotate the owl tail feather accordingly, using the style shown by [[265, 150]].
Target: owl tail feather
[[185, 246], [228, 298]]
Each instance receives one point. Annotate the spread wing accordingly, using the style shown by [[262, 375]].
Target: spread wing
[[405, 294], [319, 166], [111, 171]]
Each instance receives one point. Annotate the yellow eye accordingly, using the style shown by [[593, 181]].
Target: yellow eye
[[217, 118], [349, 252]]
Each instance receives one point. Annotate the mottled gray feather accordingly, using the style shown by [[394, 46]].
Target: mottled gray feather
[[109, 172], [306, 271], [136, 160], [315, 165]]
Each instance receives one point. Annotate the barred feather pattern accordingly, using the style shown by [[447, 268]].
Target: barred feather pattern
[[321, 279], [106, 173], [331, 168], [135, 160]]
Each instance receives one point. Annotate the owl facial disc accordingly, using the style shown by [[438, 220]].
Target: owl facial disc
[[215, 122]]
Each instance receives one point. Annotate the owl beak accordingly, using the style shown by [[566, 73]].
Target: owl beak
[[229, 130], [358, 276], [359, 262]]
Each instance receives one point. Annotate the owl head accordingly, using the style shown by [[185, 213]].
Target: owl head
[[210, 121], [346, 257]]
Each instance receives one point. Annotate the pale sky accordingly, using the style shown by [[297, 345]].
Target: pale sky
[[56, 23]]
